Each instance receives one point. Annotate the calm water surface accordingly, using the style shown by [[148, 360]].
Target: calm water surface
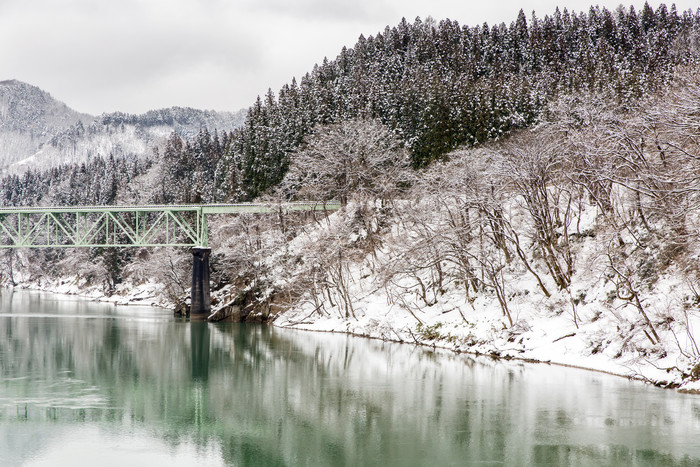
[[93, 384]]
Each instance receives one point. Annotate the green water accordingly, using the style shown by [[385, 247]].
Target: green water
[[97, 385]]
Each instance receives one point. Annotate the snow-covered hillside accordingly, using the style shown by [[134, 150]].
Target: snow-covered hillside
[[39, 132], [29, 117]]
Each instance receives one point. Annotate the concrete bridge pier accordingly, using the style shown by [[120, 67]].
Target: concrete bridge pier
[[200, 307]]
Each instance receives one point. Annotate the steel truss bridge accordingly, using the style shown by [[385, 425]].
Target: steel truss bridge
[[124, 226], [133, 226]]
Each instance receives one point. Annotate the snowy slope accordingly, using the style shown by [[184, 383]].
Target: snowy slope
[[29, 117], [587, 326]]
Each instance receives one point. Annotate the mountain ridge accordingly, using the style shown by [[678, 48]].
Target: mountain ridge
[[38, 131]]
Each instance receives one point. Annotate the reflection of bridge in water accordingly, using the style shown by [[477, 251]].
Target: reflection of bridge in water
[[133, 226]]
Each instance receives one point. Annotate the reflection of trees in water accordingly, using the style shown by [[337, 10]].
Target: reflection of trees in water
[[277, 397], [250, 389]]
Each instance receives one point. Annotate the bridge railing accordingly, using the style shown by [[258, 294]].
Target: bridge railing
[[124, 226]]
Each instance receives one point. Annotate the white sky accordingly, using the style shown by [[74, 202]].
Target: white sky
[[135, 55]]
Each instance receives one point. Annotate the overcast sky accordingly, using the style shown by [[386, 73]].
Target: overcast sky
[[135, 55]]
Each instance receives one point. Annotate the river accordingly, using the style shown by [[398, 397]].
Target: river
[[86, 383]]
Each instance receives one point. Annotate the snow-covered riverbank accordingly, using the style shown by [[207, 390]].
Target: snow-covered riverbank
[[374, 294], [146, 294], [539, 334], [590, 328]]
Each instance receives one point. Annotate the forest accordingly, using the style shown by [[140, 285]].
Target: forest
[[440, 86]]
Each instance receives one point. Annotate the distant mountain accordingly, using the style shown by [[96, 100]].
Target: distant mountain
[[29, 117], [37, 131]]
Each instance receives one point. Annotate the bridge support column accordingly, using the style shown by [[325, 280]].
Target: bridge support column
[[200, 308]]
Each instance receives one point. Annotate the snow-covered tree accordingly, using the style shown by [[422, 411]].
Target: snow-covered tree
[[358, 158]]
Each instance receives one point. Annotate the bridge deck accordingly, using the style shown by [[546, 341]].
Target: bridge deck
[[232, 208], [124, 226]]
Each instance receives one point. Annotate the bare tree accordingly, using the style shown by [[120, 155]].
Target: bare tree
[[9, 266], [355, 158], [533, 168]]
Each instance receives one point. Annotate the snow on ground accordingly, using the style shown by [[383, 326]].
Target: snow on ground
[[538, 333], [149, 293]]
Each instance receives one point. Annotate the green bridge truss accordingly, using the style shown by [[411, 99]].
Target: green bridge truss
[[124, 226]]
